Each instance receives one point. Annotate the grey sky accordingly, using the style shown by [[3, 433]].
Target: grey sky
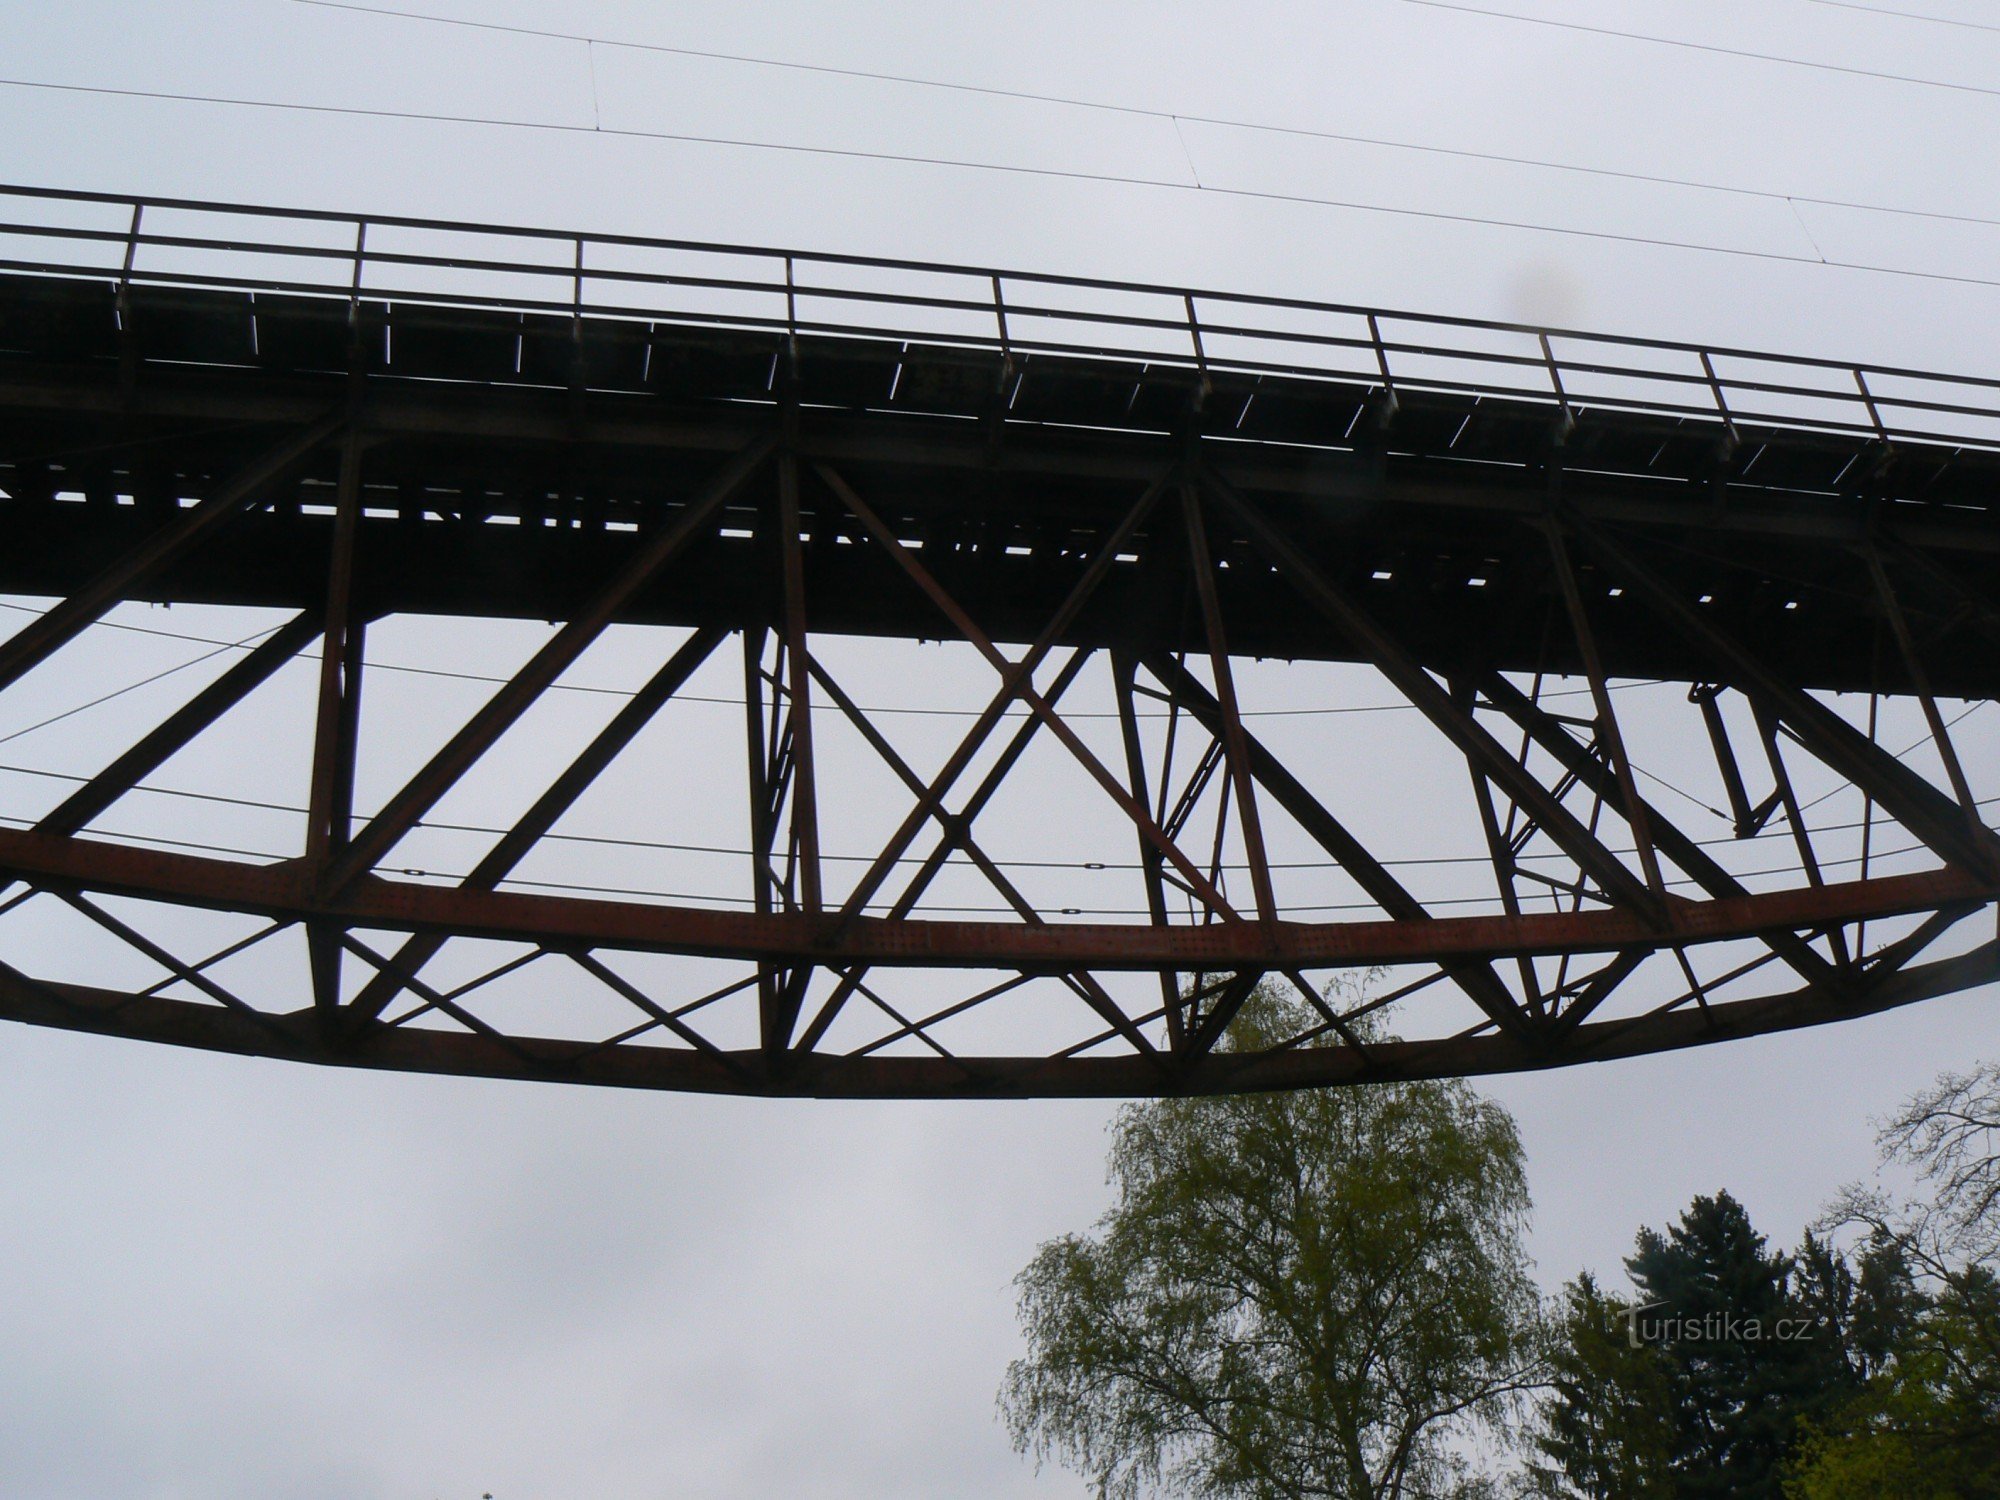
[[229, 1278]]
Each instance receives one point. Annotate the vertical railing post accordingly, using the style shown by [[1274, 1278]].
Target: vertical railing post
[[1874, 413], [1389, 402], [1734, 437], [131, 255], [1568, 424], [1006, 373], [579, 376], [1200, 354], [354, 286], [1000, 318], [791, 312]]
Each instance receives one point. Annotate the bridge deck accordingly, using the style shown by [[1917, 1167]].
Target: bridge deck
[[514, 456]]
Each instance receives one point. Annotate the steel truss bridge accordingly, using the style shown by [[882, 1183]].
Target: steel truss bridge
[[1604, 694]]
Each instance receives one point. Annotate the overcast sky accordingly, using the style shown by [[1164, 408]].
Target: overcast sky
[[229, 1278]]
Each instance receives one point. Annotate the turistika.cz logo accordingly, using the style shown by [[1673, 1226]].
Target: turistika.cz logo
[[1647, 1324]]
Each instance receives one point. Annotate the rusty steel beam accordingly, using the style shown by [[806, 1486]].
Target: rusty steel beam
[[1234, 749], [657, 1013], [772, 765], [1913, 664], [337, 720], [1380, 884], [286, 890], [1016, 682], [1017, 679], [1983, 612], [1678, 846], [181, 728], [798, 686], [918, 883], [958, 834], [1749, 820], [217, 1028], [1042, 528], [1911, 800], [1124, 669], [1501, 852], [1223, 1008], [484, 414], [1632, 806], [548, 810], [1417, 685], [505, 707]]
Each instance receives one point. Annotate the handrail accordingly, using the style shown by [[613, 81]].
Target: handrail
[[387, 258]]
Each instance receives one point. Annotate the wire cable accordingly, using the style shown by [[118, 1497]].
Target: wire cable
[[1074, 866], [1177, 118], [1486, 221], [1710, 47], [737, 703], [1909, 15], [132, 687], [923, 908]]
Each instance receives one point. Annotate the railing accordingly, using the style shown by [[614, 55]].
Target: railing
[[387, 258]]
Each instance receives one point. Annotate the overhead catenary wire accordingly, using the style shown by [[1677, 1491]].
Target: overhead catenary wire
[[1077, 865], [1714, 48], [1152, 112], [734, 703], [132, 687], [713, 898], [1488, 221], [1492, 901], [1909, 15]]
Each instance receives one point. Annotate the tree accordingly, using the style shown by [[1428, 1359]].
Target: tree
[[1607, 1429], [1926, 1423], [1949, 1136], [1745, 1357], [1865, 1304], [1299, 1294], [1696, 1389]]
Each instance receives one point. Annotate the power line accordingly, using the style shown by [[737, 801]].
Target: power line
[[669, 847], [199, 846], [1074, 865], [1909, 15], [735, 703], [923, 908], [750, 59], [1176, 118], [1950, 724], [1711, 47], [1017, 169], [133, 687]]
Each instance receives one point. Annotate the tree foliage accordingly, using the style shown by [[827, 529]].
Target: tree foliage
[[1702, 1384], [1607, 1429], [1925, 1424], [1299, 1294], [1745, 1355]]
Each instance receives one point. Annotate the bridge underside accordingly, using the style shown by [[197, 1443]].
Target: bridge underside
[[1577, 611]]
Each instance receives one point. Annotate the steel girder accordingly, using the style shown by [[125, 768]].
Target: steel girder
[[1115, 588]]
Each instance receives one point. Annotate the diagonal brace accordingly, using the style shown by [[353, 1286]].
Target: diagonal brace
[[1408, 675], [548, 810], [1920, 807], [41, 639], [1478, 980], [506, 706]]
